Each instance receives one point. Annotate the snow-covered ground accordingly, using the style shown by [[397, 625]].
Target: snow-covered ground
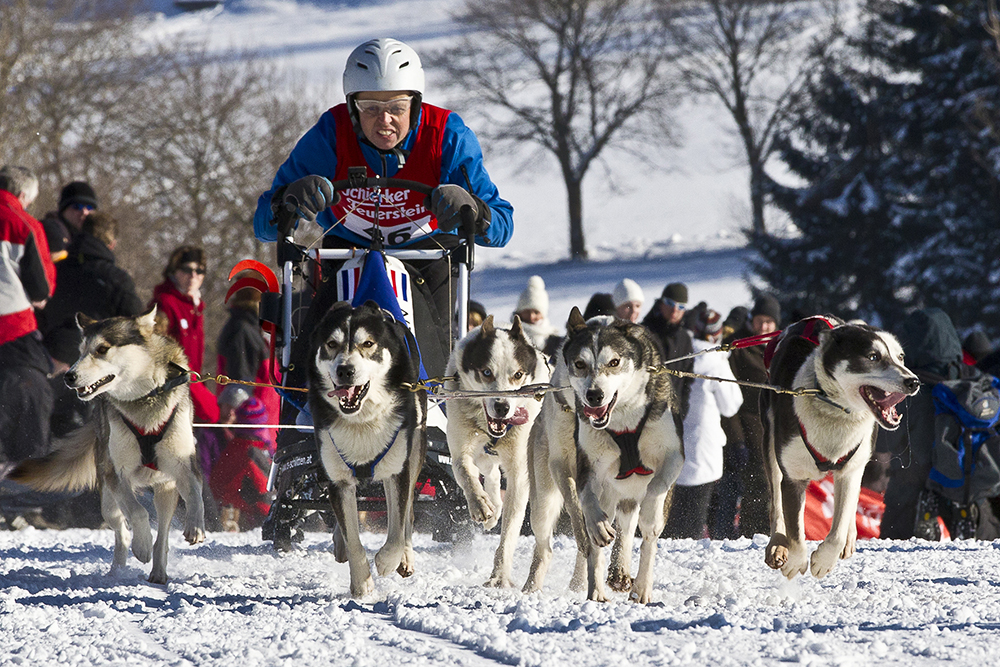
[[232, 601]]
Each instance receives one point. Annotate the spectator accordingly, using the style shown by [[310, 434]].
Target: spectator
[[600, 303], [533, 309], [27, 279], [180, 315], [664, 320], [76, 201], [704, 438], [976, 347], [238, 480], [477, 313], [628, 300]]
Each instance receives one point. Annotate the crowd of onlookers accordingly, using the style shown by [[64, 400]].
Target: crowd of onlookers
[[64, 264]]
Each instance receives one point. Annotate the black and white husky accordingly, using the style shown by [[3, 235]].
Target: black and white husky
[[141, 436], [630, 452], [490, 435], [368, 424], [861, 375]]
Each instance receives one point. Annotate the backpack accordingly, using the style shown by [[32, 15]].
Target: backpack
[[965, 458]]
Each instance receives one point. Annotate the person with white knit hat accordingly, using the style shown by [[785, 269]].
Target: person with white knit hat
[[533, 310], [628, 299]]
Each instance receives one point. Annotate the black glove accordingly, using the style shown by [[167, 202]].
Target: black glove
[[309, 196], [446, 203]]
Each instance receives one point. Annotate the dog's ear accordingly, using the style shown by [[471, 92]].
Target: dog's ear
[[575, 321], [83, 321], [486, 328], [147, 322], [515, 328]]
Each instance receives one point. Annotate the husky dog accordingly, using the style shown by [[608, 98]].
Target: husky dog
[[368, 424], [630, 452], [861, 375], [141, 436], [488, 435]]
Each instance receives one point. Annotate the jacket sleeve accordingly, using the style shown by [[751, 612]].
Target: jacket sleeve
[[314, 153], [461, 149], [728, 395], [34, 272]]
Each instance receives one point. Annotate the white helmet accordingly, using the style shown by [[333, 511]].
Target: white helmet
[[383, 64]]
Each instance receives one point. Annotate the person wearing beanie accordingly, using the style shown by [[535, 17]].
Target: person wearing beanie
[[765, 314], [77, 200], [976, 347], [628, 299], [533, 310], [600, 303], [666, 321], [704, 438]]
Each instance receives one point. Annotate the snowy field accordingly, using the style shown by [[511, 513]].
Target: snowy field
[[232, 601]]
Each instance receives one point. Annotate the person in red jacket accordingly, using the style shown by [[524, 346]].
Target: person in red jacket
[[180, 312]]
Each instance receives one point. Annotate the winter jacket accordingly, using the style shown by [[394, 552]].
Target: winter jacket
[[88, 281], [244, 355], [440, 138], [58, 234], [710, 402], [676, 342], [27, 273]]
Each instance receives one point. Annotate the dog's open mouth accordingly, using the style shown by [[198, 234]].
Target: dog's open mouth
[[498, 427], [883, 405], [601, 415], [90, 389], [351, 396]]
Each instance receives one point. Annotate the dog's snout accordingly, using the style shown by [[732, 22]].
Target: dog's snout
[[501, 408], [912, 384], [595, 396], [345, 374], [70, 379]]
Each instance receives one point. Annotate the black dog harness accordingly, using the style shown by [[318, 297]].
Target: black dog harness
[[149, 439], [824, 464], [630, 463]]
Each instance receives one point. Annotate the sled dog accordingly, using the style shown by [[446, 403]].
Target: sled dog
[[368, 424], [141, 436], [630, 450], [490, 435], [861, 375]]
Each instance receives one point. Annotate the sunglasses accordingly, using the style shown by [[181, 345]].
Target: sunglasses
[[374, 108], [81, 207], [670, 303], [191, 270]]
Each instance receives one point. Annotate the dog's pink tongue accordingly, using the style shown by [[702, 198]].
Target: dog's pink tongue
[[344, 392], [890, 400], [520, 416], [595, 413]]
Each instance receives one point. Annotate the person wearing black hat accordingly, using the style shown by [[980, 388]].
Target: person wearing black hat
[[76, 201], [600, 303], [666, 320]]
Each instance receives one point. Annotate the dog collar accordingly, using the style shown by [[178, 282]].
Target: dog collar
[[181, 377], [824, 464]]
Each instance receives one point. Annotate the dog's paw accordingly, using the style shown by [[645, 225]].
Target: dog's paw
[[142, 546], [387, 560], [482, 511], [363, 587], [194, 535], [824, 558], [797, 562], [597, 595], [618, 579], [601, 532], [156, 577], [407, 563], [498, 581], [776, 554], [641, 593]]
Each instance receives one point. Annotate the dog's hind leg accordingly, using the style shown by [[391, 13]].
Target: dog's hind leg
[[843, 532], [165, 501], [515, 459], [138, 521], [345, 506], [620, 570], [651, 523], [545, 504]]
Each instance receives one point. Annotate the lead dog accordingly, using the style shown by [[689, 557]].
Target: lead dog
[[141, 436], [861, 375], [630, 452], [490, 435], [368, 424]]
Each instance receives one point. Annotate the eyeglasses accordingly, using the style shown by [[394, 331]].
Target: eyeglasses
[[191, 270], [374, 109], [670, 303], [81, 207]]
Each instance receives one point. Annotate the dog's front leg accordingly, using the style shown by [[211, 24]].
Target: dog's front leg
[[620, 570], [651, 522], [112, 513], [846, 488], [345, 506], [165, 498], [515, 458], [601, 532], [793, 505], [398, 507], [138, 521], [189, 483]]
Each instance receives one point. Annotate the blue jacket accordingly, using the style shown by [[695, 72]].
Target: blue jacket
[[316, 153]]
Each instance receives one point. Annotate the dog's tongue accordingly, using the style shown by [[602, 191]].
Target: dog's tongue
[[519, 417], [348, 392], [595, 413], [886, 400]]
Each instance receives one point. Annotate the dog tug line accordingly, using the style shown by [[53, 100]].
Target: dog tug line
[[436, 391]]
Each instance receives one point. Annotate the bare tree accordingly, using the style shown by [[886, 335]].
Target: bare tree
[[751, 56], [573, 76]]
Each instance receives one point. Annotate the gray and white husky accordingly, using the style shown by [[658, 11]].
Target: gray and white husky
[[490, 435], [368, 424], [630, 451], [141, 436], [858, 368]]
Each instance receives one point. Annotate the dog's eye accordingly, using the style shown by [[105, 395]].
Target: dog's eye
[[103, 349], [614, 363], [487, 373], [518, 375], [579, 364], [874, 356], [368, 344], [331, 344]]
